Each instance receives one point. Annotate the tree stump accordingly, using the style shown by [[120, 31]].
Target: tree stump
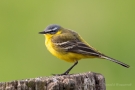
[[82, 81]]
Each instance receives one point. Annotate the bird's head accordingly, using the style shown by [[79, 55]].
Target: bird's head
[[52, 29]]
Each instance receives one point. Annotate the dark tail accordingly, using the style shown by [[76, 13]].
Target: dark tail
[[116, 61]]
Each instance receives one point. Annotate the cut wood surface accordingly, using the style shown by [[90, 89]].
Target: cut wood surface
[[82, 81]]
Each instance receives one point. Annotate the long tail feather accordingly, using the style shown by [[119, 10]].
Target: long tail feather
[[116, 61]]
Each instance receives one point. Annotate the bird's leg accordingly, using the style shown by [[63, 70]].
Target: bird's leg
[[65, 73]]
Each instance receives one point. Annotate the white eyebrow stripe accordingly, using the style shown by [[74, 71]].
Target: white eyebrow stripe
[[54, 28], [49, 30]]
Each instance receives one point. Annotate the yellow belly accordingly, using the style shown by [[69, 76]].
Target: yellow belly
[[68, 56]]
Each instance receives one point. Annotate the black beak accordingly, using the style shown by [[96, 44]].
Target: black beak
[[43, 32]]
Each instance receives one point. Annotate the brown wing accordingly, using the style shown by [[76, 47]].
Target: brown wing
[[72, 43]]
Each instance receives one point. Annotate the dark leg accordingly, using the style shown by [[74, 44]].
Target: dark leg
[[65, 73]]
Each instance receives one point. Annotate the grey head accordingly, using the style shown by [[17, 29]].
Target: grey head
[[51, 29]]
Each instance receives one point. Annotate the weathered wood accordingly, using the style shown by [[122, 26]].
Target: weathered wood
[[83, 81]]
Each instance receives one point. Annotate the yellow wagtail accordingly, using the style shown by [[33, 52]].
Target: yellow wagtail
[[69, 46]]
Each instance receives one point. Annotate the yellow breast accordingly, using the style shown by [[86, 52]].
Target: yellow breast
[[63, 56], [67, 56]]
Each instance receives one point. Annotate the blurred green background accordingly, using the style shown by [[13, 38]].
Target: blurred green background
[[109, 26]]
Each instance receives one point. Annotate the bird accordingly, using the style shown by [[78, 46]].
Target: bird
[[68, 45]]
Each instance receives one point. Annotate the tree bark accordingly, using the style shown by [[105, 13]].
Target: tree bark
[[82, 81]]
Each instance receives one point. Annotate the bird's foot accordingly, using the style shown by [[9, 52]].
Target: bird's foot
[[61, 74]]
